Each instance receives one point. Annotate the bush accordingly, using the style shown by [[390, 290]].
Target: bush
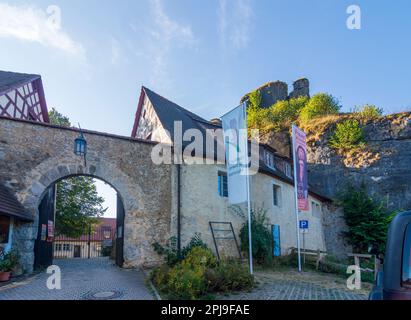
[[261, 235], [170, 251], [185, 281], [199, 256], [347, 136], [367, 220], [199, 274], [284, 113], [229, 276], [368, 112], [319, 105]]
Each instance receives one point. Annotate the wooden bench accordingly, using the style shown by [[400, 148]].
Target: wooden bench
[[317, 254]]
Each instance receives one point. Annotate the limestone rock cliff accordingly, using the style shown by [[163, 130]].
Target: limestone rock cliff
[[384, 165]]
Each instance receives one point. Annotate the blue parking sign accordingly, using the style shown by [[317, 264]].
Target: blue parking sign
[[303, 224]]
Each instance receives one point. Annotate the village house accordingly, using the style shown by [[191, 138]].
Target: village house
[[201, 195], [187, 199]]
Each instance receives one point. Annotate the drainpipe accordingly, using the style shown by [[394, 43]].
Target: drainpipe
[[179, 209]]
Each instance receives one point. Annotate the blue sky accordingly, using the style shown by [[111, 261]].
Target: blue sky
[[205, 55]]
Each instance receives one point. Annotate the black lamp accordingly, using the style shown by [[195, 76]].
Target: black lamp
[[80, 146]]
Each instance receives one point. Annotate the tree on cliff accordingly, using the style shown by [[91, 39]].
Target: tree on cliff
[[366, 218], [77, 201]]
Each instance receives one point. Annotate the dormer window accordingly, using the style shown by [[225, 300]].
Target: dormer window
[[269, 159]]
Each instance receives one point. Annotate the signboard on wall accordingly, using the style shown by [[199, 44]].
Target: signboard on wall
[[50, 230], [43, 236]]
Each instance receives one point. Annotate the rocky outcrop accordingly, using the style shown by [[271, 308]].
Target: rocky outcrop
[[384, 165]]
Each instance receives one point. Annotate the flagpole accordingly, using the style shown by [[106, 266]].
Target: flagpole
[[250, 246], [296, 201]]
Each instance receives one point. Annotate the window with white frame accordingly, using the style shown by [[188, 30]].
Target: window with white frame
[[269, 159], [58, 247], [66, 247], [276, 195], [222, 184]]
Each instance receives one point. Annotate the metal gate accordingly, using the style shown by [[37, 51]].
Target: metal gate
[[97, 242]]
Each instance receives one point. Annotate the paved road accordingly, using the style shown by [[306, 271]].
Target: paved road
[[294, 286], [82, 279]]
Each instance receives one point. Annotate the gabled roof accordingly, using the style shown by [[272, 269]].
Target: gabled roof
[[168, 112], [12, 80], [10, 206]]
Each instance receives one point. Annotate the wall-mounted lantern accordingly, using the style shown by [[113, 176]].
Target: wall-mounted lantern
[[80, 146]]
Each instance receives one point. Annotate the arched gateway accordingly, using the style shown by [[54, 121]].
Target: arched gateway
[[35, 155]]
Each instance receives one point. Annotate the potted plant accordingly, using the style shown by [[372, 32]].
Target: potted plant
[[7, 264]]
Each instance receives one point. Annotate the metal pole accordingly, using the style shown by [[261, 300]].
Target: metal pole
[[296, 202], [89, 240], [250, 243]]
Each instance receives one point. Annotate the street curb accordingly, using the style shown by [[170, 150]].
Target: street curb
[[151, 284]]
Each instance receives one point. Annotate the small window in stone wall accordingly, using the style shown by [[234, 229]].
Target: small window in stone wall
[[276, 195], [222, 184], [316, 209], [4, 229]]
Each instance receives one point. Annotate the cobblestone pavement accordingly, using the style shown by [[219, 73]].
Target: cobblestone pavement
[[295, 286], [82, 279]]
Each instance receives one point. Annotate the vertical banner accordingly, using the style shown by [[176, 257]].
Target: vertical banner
[[300, 167], [300, 180], [238, 178], [236, 148]]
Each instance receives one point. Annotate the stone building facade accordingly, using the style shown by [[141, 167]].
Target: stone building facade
[[160, 200]]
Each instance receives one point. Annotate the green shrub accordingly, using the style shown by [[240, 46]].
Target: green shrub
[[199, 256], [194, 242], [348, 135], [229, 275], [367, 219], [159, 276], [199, 274], [261, 234], [9, 261], [185, 281], [368, 112], [319, 105], [284, 113], [170, 250]]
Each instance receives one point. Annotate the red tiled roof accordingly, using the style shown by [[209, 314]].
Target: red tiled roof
[[97, 234]]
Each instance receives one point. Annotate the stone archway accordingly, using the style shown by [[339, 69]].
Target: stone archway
[[32, 164]]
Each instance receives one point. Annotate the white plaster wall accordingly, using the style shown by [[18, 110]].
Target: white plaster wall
[[201, 203]]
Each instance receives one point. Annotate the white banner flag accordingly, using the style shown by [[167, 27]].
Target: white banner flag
[[236, 148]]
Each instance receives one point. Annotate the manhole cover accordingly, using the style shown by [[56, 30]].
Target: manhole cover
[[102, 295]]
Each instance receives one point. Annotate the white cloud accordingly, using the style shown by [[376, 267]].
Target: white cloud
[[167, 29], [31, 24], [165, 35], [235, 19]]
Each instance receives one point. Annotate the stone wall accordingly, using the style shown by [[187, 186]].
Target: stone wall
[[274, 91], [33, 156], [334, 227]]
